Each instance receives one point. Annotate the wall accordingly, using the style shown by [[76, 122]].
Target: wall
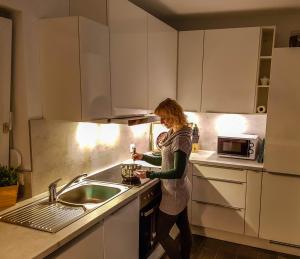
[[66, 149], [92, 9]]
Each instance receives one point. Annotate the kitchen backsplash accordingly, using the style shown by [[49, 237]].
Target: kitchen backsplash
[[66, 149], [213, 124]]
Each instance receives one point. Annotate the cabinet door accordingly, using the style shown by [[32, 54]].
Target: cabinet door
[[282, 136], [190, 58], [253, 195], [230, 69], [121, 232], [280, 208], [162, 61], [128, 51], [74, 63], [94, 66], [60, 68], [87, 245], [5, 80]]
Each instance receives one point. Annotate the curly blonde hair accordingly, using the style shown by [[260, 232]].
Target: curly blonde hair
[[172, 110]]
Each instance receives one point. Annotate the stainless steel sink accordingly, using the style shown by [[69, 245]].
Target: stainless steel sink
[[73, 203], [90, 193]]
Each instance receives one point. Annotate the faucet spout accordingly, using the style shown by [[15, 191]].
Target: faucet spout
[[52, 187]]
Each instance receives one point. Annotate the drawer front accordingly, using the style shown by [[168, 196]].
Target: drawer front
[[228, 194], [210, 172], [217, 217]]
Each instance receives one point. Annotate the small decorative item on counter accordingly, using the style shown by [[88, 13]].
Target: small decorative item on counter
[[261, 109], [195, 138], [8, 186], [294, 39], [265, 80]]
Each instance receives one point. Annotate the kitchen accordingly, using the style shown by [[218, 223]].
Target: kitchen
[[48, 148]]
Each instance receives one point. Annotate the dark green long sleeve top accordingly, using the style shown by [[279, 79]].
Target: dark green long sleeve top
[[175, 173]]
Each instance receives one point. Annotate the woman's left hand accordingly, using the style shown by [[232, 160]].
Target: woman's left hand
[[141, 174]]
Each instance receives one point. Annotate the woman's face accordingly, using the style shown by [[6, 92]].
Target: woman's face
[[167, 121]]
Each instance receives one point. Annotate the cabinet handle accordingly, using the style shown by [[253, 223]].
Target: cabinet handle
[[282, 174], [218, 166], [218, 205], [284, 244], [149, 212], [220, 180]]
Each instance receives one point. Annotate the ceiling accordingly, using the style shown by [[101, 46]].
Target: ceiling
[[173, 8]]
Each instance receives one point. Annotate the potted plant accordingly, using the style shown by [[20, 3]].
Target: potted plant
[[8, 186]]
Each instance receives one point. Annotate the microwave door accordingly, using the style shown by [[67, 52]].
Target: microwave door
[[234, 147]]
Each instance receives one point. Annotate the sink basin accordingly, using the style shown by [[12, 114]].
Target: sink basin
[[73, 203], [90, 193]]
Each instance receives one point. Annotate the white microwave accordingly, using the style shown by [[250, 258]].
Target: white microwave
[[238, 146]]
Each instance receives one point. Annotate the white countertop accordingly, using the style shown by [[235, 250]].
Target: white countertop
[[206, 157], [22, 242]]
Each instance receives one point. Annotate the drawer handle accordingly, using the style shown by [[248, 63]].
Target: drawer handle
[[219, 205], [284, 244], [282, 174], [220, 180], [218, 166]]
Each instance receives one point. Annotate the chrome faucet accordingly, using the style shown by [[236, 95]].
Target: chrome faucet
[[53, 193]]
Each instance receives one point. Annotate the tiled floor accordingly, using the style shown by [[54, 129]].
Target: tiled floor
[[208, 248]]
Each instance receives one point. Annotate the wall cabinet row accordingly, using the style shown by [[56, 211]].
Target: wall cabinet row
[[89, 71], [143, 58], [218, 69]]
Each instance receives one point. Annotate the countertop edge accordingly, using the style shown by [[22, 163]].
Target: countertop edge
[[227, 165], [81, 225]]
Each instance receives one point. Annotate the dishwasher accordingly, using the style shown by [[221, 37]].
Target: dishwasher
[[149, 207]]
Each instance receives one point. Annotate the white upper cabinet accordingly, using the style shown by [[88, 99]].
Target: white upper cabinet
[[162, 61], [128, 51], [280, 209], [74, 69], [230, 70], [190, 58]]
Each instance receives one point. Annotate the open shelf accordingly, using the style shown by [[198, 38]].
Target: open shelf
[[267, 39], [264, 69]]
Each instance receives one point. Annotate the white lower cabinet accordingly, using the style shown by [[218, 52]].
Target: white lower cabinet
[[87, 245], [253, 195], [121, 232], [117, 236], [218, 217], [226, 199], [280, 208]]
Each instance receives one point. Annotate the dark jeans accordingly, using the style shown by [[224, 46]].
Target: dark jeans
[[179, 248]]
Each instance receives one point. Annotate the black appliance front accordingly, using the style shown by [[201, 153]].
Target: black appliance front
[[237, 147], [148, 217]]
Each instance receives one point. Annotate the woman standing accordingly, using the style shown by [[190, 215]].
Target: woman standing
[[175, 152]]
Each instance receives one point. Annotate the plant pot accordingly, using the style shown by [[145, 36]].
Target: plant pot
[[8, 195]]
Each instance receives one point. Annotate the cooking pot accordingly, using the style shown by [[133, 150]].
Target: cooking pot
[[127, 171]]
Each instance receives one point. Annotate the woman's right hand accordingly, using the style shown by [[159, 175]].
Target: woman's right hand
[[137, 156]]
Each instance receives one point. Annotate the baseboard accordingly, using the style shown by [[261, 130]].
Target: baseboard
[[244, 240]]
